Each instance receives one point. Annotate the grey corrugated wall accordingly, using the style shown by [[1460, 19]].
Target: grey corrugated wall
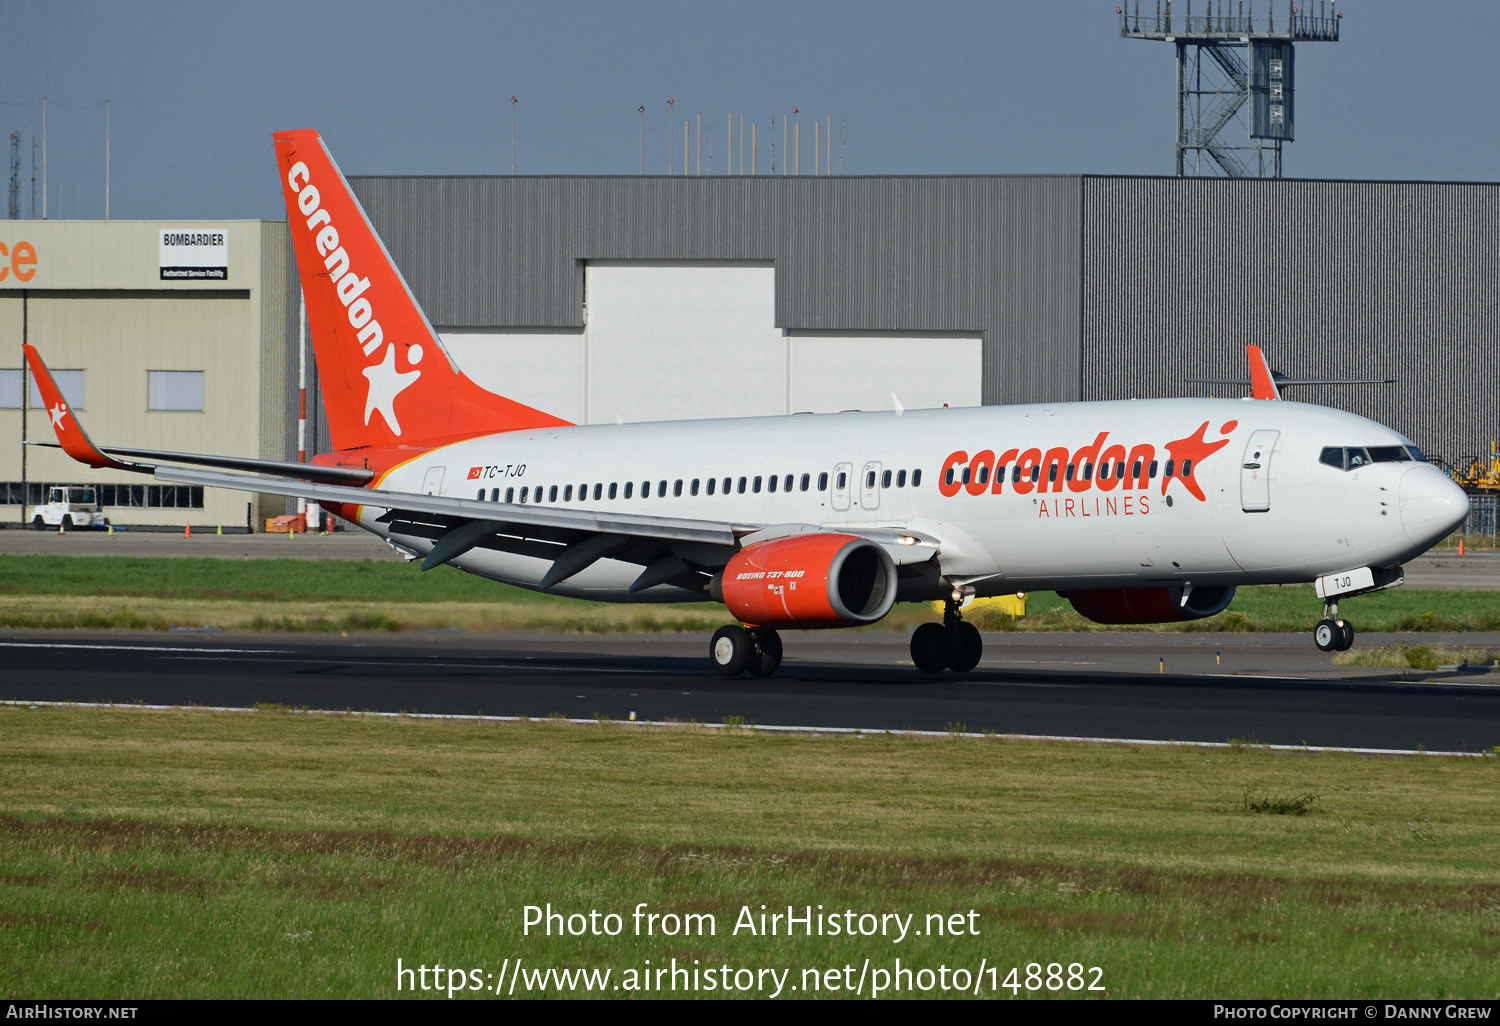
[[1333, 279], [1081, 287], [992, 255]]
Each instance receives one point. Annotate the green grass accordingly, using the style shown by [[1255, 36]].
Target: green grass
[[291, 595], [215, 855]]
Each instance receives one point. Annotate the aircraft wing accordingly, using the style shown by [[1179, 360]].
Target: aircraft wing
[[671, 550]]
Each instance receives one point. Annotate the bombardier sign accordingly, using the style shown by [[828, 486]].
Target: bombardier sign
[[194, 254]]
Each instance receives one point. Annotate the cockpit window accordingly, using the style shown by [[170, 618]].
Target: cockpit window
[[1354, 457], [1389, 454]]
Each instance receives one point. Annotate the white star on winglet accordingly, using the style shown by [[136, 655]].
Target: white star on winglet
[[57, 413], [385, 384]]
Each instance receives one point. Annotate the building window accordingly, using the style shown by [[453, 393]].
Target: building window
[[10, 389], [69, 383], [175, 391]]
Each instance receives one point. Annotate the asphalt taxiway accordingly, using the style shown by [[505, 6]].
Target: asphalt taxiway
[[1269, 689]]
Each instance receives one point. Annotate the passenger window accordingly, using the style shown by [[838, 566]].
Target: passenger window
[[805, 479], [1052, 472], [1015, 473], [711, 483], [948, 477], [613, 489], [1104, 471], [965, 475], [629, 487], [568, 494], [843, 481], [598, 492], [676, 488], [757, 484], [523, 495], [1169, 468], [693, 488], [870, 478], [645, 489], [742, 486], [984, 476], [1068, 474], [1036, 473], [1187, 468], [885, 479], [510, 494], [1135, 471], [771, 483], [786, 485], [552, 493], [1088, 471], [494, 495], [661, 489], [823, 482], [480, 496], [916, 478], [727, 482]]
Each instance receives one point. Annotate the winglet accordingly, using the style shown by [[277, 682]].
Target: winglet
[[1262, 385], [70, 433]]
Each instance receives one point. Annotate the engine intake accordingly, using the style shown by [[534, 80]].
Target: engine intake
[[808, 581], [1149, 605]]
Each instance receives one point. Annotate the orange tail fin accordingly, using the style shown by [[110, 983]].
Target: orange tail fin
[[384, 373]]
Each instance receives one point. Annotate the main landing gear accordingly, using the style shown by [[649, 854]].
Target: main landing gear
[[1331, 633], [736, 650], [951, 645]]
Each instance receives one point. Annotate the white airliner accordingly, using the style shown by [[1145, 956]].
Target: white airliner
[[1137, 511]]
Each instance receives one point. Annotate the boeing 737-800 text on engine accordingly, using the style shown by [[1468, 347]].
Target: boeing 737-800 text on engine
[[1138, 511]]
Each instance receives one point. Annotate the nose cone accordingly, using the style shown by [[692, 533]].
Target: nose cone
[[1431, 505]]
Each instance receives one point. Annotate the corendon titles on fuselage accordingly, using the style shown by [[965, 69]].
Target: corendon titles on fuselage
[[1101, 466]]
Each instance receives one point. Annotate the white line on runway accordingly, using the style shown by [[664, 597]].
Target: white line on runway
[[103, 647], [858, 732]]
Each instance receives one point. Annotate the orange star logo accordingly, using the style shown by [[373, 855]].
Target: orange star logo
[[1190, 452]]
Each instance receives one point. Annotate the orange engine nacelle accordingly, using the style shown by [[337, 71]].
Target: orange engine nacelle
[[808, 580], [1149, 605]]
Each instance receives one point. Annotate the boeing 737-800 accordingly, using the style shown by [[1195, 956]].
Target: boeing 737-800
[[1143, 511]]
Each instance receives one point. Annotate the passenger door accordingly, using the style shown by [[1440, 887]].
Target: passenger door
[[1255, 472]]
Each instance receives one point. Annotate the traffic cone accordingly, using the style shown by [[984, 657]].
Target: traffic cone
[[1460, 546], [62, 526], [187, 530]]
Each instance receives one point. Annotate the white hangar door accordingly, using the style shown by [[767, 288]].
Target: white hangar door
[[673, 341]]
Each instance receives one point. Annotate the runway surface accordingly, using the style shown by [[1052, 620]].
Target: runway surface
[[1273, 689]]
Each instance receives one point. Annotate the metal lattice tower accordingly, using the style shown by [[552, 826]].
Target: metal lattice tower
[[15, 176], [1234, 75]]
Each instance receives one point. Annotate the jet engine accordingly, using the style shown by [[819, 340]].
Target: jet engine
[[1150, 605], [808, 580]]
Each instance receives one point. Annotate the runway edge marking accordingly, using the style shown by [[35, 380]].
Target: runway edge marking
[[764, 728]]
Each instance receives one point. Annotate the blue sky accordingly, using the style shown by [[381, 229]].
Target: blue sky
[[1000, 87]]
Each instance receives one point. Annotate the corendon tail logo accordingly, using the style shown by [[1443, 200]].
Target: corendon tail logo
[[1101, 466], [385, 382]]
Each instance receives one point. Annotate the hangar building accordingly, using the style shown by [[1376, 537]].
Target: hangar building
[[645, 297], [162, 335]]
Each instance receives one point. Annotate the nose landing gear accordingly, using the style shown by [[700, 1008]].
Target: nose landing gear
[[1332, 634], [951, 645]]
